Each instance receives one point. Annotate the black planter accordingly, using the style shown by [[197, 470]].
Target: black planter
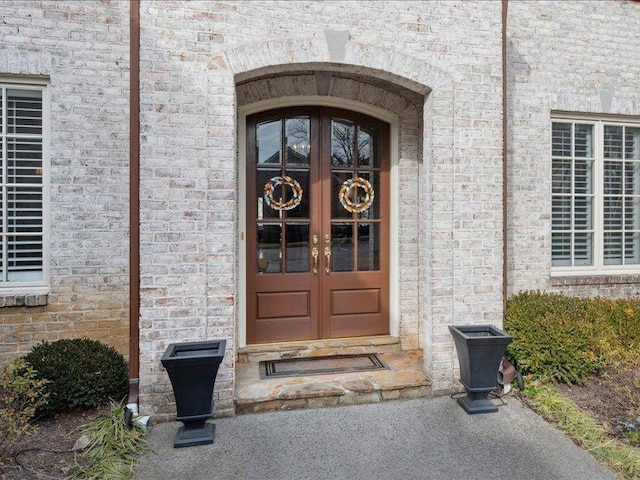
[[480, 349], [192, 369]]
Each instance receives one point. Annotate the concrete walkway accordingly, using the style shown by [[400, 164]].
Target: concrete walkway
[[405, 439]]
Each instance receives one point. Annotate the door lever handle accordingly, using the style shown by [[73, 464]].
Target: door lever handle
[[315, 254], [327, 254]]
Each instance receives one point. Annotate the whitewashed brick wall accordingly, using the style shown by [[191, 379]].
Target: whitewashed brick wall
[[192, 54], [578, 56], [82, 49]]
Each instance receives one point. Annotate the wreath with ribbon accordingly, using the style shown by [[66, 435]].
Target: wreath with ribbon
[[275, 182], [344, 195]]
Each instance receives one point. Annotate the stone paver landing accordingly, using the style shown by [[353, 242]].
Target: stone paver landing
[[403, 379]]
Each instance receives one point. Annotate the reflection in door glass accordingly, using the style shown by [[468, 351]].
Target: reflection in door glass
[[297, 247], [368, 247], [262, 178], [268, 251], [337, 179], [302, 209], [268, 142], [373, 212], [342, 143], [368, 148], [341, 247], [298, 142]]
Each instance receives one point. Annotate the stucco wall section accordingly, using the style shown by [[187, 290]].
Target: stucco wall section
[[579, 56], [82, 49], [192, 52]]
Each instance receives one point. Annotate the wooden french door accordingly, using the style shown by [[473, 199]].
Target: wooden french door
[[317, 225]]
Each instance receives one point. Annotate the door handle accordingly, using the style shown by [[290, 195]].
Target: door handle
[[327, 254], [315, 254]]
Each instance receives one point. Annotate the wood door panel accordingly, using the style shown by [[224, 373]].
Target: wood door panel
[[345, 302], [283, 305], [358, 325], [276, 329]]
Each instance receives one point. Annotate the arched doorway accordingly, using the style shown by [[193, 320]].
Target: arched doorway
[[317, 223]]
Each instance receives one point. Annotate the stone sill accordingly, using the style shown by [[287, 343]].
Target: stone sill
[[24, 300], [595, 280]]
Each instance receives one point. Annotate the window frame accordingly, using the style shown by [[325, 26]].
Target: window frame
[[40, 287], [598, 122]]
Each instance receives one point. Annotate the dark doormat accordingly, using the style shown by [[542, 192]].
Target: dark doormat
[[298, 367]]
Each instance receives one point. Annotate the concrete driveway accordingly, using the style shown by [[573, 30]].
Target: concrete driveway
[[404, 439]]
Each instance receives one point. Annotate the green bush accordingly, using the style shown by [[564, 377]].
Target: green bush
[[80, 373], [21, 393], [567, 338]]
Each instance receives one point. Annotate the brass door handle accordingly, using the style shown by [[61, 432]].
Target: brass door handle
[[327, 254], [315, 254]]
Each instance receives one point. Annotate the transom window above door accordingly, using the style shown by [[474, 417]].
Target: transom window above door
[[595, 196]]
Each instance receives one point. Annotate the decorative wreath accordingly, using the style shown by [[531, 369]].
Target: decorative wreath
[[344, 195], [274, 183]]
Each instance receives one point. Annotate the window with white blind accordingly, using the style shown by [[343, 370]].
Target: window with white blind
[[22, 186], [595, 207]]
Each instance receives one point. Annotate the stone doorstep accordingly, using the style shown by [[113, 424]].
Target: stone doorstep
[[319, 348], [403, 379]]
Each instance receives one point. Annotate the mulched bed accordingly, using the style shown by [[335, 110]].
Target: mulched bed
[[612, 397], [48, 454]]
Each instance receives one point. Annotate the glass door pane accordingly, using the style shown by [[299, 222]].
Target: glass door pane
[[355, 202], [342, 247], [297, 247], [282, 194], [368, 247]]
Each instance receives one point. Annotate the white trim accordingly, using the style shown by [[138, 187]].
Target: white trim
[[241, 277], [372, 111], [30, 290], [19, 81]]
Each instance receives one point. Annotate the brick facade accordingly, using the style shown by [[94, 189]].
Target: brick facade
[[435, 66], [82, 49], [192, 56], [556, 65]]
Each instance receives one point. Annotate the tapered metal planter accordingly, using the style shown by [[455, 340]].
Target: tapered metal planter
[[480, 348], [192, 369]]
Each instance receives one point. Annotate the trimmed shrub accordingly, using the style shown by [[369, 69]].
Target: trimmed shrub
[[568, 338], [80, 373], [21, 393]]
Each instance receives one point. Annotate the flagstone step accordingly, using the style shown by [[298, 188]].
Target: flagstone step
[[404, 378], [319, 348]]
